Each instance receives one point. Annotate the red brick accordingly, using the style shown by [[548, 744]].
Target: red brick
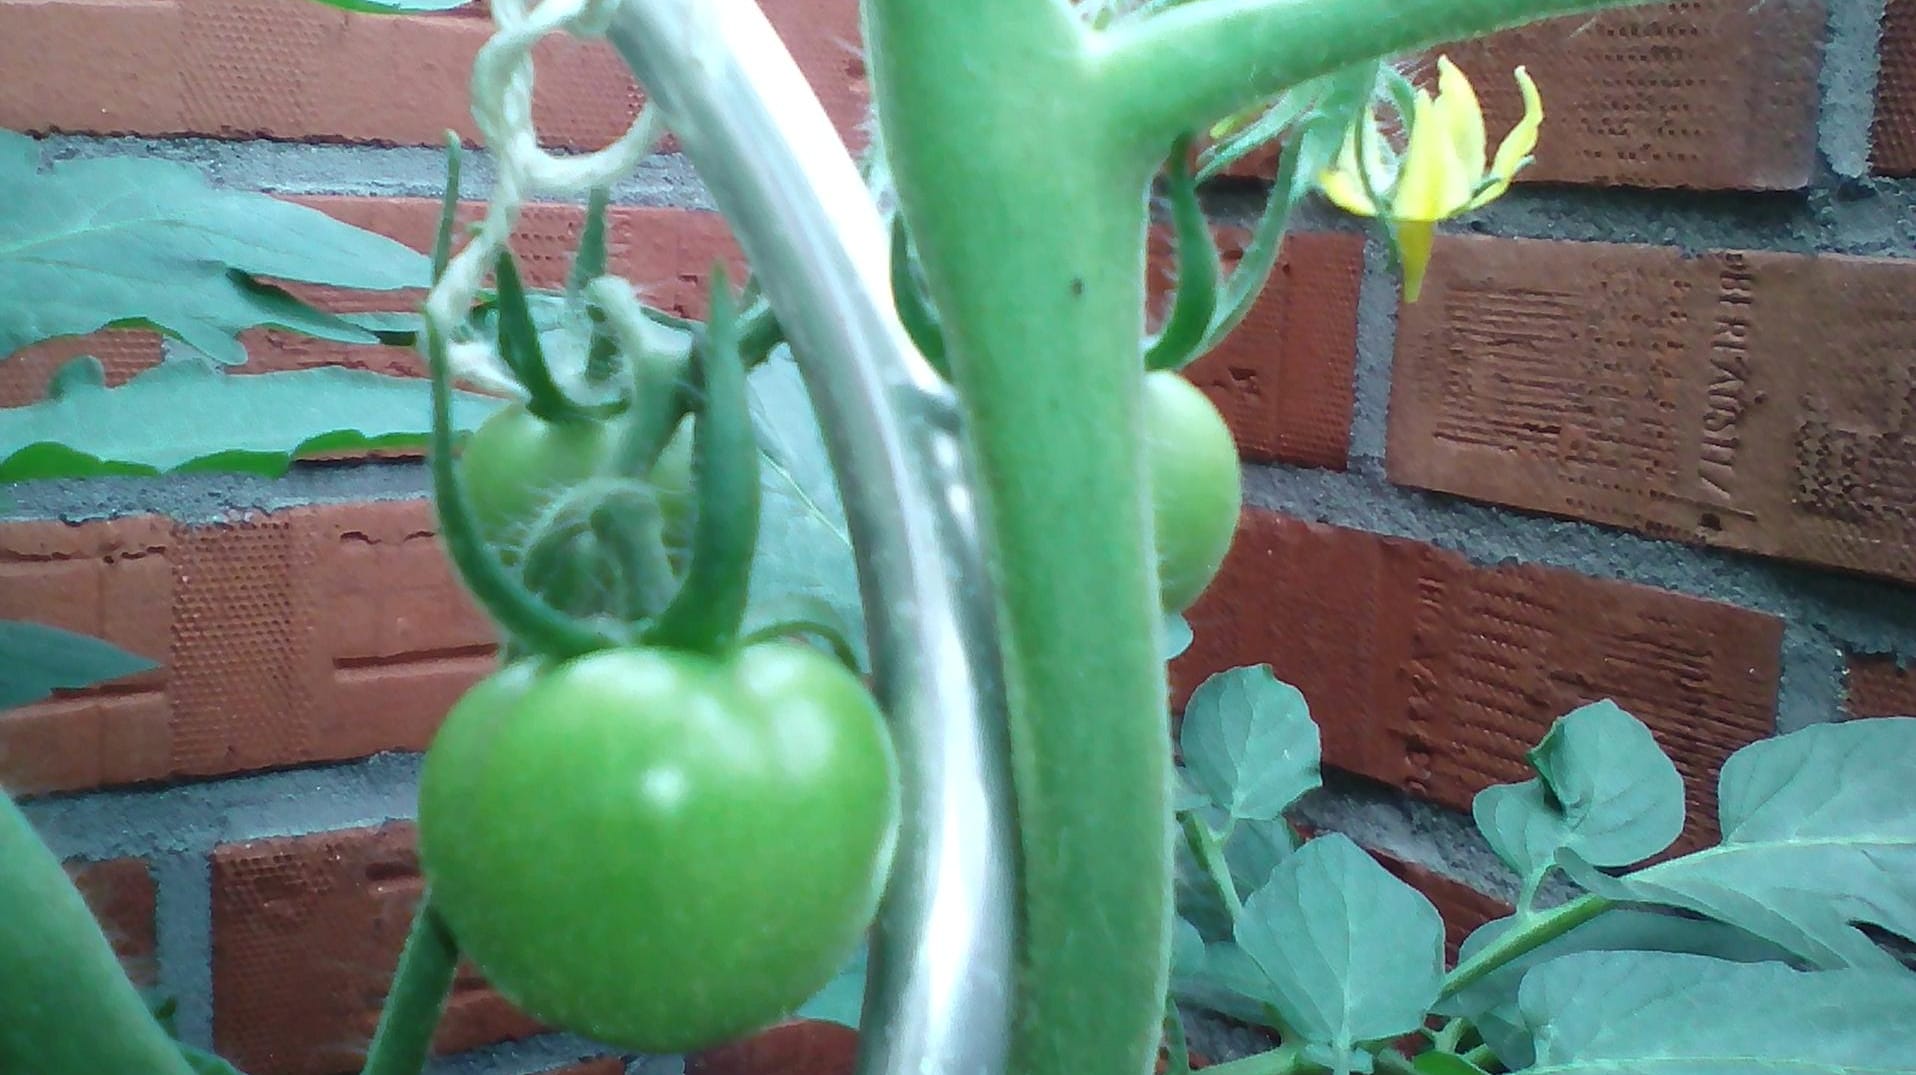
[[1462, 907], [121, 894], [1893, 150], [1654, 96], [1880, 687], [314, 634], [306, 933], [1637, 387], [1285, 377], [305, 72], [1435, 675], [666, 252], [801, 1047]]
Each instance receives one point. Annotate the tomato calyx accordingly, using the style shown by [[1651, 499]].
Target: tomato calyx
[[616, 521]]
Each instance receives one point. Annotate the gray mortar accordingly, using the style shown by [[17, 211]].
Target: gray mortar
[[192, 819], [208, 498], [542, 1053], [183, 935], [300, 168], [1848, 85]]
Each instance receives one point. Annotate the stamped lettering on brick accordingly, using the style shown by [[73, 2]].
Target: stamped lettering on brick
[[1754, 401]]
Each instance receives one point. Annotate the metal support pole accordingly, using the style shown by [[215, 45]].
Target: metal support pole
[[939, 998]]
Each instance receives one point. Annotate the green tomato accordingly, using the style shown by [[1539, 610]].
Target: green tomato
[[516, 463], [1195, 492], [657, 849]]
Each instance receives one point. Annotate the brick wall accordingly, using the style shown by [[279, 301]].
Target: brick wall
[[1646, 437]]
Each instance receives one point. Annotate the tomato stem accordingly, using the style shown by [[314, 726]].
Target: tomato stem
[[706, 612], [524, 616], [1195, 301], [416, 998], [519, 346]]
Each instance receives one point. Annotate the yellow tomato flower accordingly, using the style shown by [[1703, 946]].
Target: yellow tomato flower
[[1440, 172]]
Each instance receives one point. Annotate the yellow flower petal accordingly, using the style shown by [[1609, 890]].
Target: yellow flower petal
[[1343, 183], [1463, 118], [1428, 186], [1517, 145], [1414, 240]]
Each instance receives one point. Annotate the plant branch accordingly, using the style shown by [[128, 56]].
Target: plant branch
[[1210, 855], [1524, 935], [1188, 66], [1283, 1060], [417, 997]]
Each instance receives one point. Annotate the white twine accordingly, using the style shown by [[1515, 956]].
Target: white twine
[[502, 82]]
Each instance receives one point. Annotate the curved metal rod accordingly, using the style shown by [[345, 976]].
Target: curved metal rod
[[938, 1000]]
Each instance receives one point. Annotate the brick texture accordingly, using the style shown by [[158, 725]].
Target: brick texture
[[1747, 400], [1656, 96], [1435, 675], [306, 933], [313, 634], [1894, 142], [305, 72], [668, 253], [1662, 96], [1284, 379], [1880, 687], [121, 894]]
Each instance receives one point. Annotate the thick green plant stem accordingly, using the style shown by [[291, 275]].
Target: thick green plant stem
[[1187, 67], [1022, 144], [1032, 243], [416, 999], [66, 1007]]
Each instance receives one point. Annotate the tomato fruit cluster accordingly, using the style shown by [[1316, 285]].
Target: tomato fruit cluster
[[1195, 490], [662, 850]]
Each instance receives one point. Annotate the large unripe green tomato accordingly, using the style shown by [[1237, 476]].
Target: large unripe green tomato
[[1195, 489], [656, 849], [516, 463]]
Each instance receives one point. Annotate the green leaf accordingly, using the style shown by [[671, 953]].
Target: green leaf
[[1187, 950], [1249, 742], [36, 660], [1604, 790], [186, 416], [1255, 849], [1435, 1063], [842, 1001], [77, 374], [1353, 955], [1491, 1002], [1227, 982], [1619, 1013], [1177, 635], [804, 544], [1819, 834], [94, 243]]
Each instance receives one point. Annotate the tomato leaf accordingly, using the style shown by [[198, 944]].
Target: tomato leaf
[[1819, 836], [36, 660], [94, 243], [1352, 954], [1491, 1002], [1605, 790], [1177, 635], [1249, 742], [185, 415], [1601, 1013], [804, 543]]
